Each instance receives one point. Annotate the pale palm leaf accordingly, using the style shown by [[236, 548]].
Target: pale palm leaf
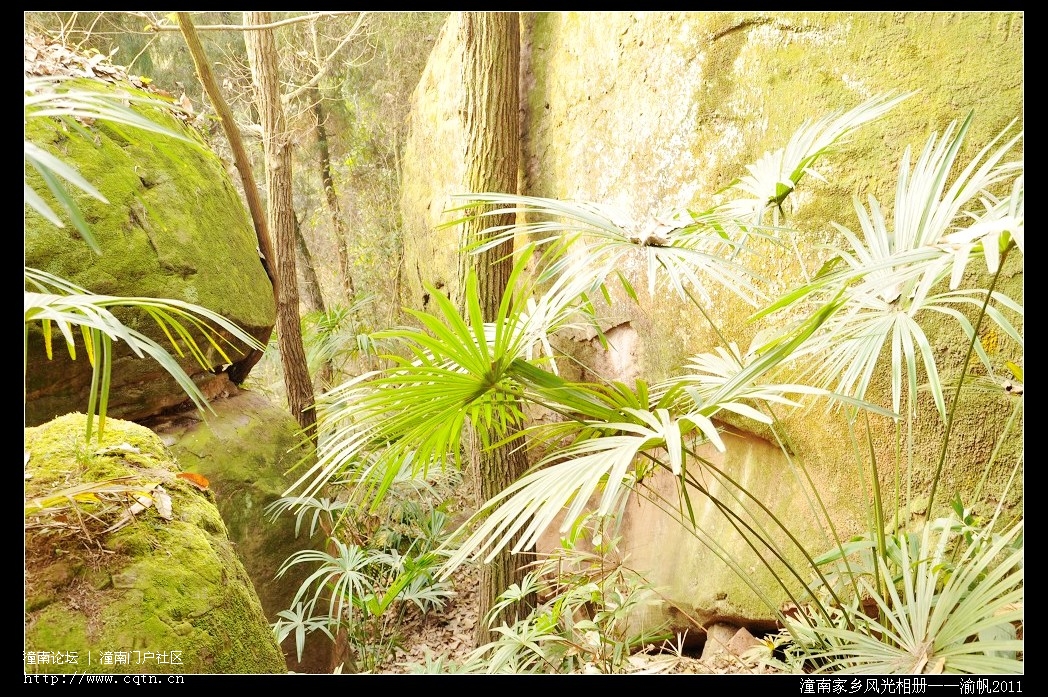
[[688, 248], [890, 275], [923, 213], [1001, 223], [50, 96], [944, 617], [532, 503], [707, 375], [774, 176], [341, 576]]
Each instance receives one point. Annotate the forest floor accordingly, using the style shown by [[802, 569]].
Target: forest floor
[[448, 633]]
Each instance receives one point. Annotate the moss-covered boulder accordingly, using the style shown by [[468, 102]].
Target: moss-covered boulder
[[246, 449], [129, 567], [174, 227]]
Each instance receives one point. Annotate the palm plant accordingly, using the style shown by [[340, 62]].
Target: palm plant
[[895, 272], [459, 368], [951, 607], [66, 305], [370, 584], [584, 622], [608, 438], [334, 338]]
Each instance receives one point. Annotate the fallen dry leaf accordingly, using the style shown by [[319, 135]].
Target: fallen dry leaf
[[163, 503], [198, 480], [121, 448], [143, 500]]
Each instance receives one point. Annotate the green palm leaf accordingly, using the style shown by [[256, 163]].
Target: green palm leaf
[[73, 306]]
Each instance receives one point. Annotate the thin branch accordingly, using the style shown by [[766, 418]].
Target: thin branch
[[326, 64], [265, 248], [243, 162], [252, 27]]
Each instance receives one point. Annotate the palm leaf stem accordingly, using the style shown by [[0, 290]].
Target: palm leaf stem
[[960, 382], [997, 449], [809, 490], [878, 504], [765, 538]]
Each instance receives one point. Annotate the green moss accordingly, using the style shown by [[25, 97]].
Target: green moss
[[246, 450], [173, 227], [154, 585], [168, 199]]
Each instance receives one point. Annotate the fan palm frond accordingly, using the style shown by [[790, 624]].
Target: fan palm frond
[[688, 249], [72, 306], [889, 275], [775, 175], [942, 617]]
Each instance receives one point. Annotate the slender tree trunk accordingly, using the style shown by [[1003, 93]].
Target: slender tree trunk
[[331, 197], [239, 371], [310, 281], [262, 55], [314, 298], [492, 64]]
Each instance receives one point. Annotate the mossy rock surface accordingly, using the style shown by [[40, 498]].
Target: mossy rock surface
[[249, 450], [174, 227], [162, 593]]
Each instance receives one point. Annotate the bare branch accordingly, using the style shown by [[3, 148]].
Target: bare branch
[[326, 64], [253, 27]]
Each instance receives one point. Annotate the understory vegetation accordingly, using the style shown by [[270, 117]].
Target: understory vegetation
[[932, 581], [937, 589]]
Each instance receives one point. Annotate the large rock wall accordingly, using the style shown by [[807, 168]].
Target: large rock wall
[[434, 168], [658, 111]]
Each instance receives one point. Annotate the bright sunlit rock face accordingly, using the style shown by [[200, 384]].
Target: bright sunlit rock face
[[647, 112]]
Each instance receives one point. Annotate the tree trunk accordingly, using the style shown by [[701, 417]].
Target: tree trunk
[[491, 66], [262, 55], [314, 299], [237, 372], [338, 224], [310, 281]]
